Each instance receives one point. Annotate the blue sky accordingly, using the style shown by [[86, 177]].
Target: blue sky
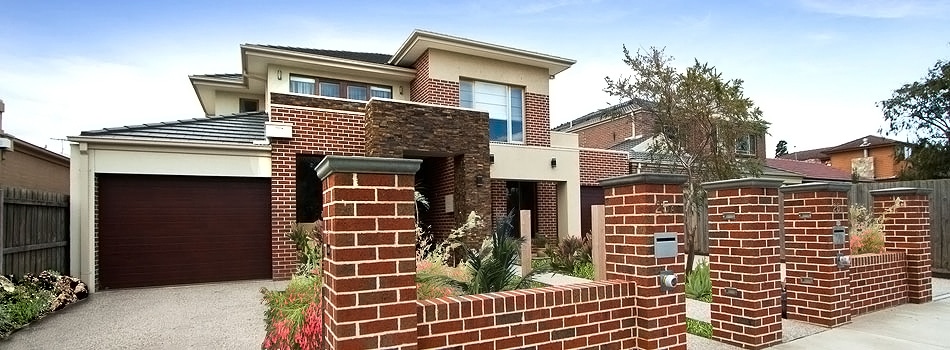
[[815, 67]]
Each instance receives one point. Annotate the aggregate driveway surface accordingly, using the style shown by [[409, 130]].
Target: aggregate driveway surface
[[225, 315]]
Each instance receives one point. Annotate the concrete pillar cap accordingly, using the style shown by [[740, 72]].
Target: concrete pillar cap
[[367, 165], [644, 178], [896, 191], [748, 182], [817, 187]]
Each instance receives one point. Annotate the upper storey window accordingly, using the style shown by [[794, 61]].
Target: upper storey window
[[338, 88], [504, 104]]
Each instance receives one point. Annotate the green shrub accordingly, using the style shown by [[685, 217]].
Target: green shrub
[[433, 280], [568, 253], [698, 284], [867, 230], [700, 328], [308, 242], [293, 316], [584, 270], [491, 268]]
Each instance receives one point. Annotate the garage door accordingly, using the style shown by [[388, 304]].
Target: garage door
[[160, 230], [590, 196]]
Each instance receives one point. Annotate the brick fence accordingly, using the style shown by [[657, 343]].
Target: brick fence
[[369, 275]]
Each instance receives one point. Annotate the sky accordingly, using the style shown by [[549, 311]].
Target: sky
[[816, 68]]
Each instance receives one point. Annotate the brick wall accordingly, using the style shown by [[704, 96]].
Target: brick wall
[[433, 91], [32, 167], [907, 229], [322, 126], [369, 287], [632, 217], [596, 165], [817, 289], [499, 201], [877, 281], [437, 179], [606, 134], [598, 314], [537, 120], [744, 262], [546, 206]]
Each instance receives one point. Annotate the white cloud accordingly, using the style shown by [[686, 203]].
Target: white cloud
[[879, 8]]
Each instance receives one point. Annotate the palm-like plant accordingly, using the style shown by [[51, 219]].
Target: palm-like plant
[[491, 268]]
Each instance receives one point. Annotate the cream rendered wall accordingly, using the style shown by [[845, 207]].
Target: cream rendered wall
[[226, 103], [564, 139], [170, 159], [450, 66], [282, 85], [532, 163]]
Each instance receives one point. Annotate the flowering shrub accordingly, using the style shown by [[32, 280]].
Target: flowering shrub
[[867, 230], [431, 279], [293, 319]]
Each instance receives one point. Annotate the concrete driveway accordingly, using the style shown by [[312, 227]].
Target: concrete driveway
[[203, 316]]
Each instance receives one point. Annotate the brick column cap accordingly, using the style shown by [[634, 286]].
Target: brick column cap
[[644, 178], [748, 182], [367, 165], [817, 187], [896, 191]]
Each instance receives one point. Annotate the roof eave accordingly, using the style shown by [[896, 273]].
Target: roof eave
[[251, 49], [420, 41], [125, 140]]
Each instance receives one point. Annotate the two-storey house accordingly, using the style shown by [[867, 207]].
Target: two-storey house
[[212, 198]]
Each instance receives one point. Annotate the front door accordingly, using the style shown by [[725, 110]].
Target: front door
[[522, 196]]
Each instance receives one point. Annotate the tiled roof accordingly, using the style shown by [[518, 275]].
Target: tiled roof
[[246, 128], [817, 154], [867, 141], [378, 58], [809, 170], [228, 76], [629, 144], [602, 114]]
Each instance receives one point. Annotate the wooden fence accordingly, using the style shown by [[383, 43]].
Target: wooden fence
[[939, 214], [34, 231]]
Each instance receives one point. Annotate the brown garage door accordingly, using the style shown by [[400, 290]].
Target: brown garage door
[[159, 230], [590, 196]]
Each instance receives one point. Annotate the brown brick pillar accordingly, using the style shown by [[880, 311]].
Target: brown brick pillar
[[635, 208], [817, 290], [369, 287], [907, 228], [744, 262]]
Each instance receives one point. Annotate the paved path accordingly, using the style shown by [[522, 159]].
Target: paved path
[[203, 316]]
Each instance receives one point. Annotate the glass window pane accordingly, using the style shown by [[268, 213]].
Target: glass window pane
[[356, 92], [329, 89], [517, 131], [498, 130], [301, 85], [465, 94], [381, 92]]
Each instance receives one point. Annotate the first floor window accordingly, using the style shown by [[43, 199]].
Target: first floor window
[[745, 145], [338, 88], [248, 105], [504, 104]]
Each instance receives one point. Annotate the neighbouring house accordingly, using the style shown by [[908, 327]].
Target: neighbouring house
[[25, 165], [809, 171], [212, 198], [870, 158]]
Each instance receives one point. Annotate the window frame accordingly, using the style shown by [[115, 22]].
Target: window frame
[[241, 102], [344, 86], [508, 107], [751, 145]]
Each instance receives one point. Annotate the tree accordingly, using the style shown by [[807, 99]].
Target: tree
[[922, 109], [781, 148], [697, 119]]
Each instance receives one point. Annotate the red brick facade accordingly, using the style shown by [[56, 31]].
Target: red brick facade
[[817, 289], [596, 165], [432, 91], [632, 218], [547, 211], [537, 120], [325, 127], [744, 262]]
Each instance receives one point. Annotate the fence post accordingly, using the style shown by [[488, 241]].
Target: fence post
[[369, 285], [598, 248], [818, 290], [525, 221], [636, 207], [907, 228], [744, 262]]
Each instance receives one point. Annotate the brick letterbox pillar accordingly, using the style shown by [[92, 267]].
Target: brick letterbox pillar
[[635, 208], [369, 287], [907, 228], [744, 262], [818, 291]]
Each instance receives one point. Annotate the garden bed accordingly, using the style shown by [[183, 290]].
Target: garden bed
[[31, 297]]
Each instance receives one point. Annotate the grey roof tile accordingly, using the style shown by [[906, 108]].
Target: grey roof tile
[[245, 128], [604, 113]]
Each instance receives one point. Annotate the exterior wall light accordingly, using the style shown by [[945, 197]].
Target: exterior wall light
[[491, 158], [279, 74], [554, 162]]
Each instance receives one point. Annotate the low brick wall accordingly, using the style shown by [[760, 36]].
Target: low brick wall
[[575, 316], [878, 281]]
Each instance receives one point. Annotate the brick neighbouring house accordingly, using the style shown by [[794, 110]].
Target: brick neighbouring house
[[266, 128]]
